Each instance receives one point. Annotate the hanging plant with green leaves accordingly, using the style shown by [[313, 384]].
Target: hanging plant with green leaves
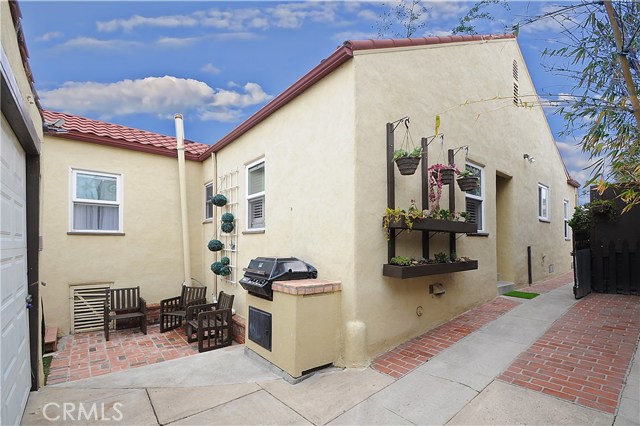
[[225, 260], [215, 245], [219, 200], [227, 217], [227, 227]]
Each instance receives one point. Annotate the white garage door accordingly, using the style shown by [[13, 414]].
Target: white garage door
[[15, 380]]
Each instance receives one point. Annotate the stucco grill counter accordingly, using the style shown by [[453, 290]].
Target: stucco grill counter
[[294, 318]]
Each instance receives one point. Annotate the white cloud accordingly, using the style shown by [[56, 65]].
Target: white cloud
[[177, 42], [94, 43], [211, 69], [160, 96], [171, 21], [49, 36]]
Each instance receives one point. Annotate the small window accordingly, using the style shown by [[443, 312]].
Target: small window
[[208, 206], [474, 200], [566, 211], [96, 202], [543, 202], [255, 196]]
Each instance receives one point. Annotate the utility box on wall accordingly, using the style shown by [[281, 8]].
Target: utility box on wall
[[304, 317]]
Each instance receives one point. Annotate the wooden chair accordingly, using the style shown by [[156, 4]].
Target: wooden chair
[[174, 309], [124, 303], [211, 323]]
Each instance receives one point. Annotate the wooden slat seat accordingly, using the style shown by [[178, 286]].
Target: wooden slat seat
[[210, 324], [124, 303]]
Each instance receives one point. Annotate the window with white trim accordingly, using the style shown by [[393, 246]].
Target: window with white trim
[[543, 202], [474, 200], [566, 209], [255, 196], [208, 205], [96, 202]]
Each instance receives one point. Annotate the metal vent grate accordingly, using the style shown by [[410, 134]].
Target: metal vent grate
[[88, 307], [516, 96], [515, 70]]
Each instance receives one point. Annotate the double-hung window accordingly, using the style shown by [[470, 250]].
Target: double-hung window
[[255, 196], [96, 202], [543, 202], [208, 206], [567, 231], [474, 200]]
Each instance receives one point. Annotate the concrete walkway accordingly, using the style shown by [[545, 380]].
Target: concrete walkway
[[459, 385]]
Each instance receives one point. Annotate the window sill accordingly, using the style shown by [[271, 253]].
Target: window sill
[[544, 220], [253, 231], [478, 234], [207, 221], [117, 234]]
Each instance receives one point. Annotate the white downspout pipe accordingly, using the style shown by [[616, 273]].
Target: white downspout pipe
[[214, 172], [183, 199]]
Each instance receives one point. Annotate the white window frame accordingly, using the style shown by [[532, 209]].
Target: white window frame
[[208, 207], [544, 193], [481, 198], [250, 197], [566, 212], [73, 172]]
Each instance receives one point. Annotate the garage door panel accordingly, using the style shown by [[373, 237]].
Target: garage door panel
[[14, 323]]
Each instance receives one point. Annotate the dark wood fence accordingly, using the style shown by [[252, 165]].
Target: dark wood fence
[[615, 268]]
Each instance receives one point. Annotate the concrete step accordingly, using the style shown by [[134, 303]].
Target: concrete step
[[505, 287]]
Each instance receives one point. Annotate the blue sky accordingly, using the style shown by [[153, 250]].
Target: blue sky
[[138, 63]]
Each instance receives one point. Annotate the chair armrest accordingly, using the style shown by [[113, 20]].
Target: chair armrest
[[143, 305], [193, 311], [196, 302]]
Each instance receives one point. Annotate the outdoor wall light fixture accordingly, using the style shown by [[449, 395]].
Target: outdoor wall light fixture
[[529, 158]]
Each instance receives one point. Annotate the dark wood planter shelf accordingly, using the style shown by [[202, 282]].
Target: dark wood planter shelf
[[404, 272], [437, 226]]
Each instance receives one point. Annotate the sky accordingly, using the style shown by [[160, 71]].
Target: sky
[[139, 63]]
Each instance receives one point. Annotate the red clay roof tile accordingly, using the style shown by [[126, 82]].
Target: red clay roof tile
[[89, 130]]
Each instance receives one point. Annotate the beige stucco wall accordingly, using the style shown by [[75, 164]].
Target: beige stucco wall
[[421, 83], [149, 254], [309, 160]]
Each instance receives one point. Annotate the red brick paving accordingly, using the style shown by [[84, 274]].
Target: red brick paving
[[85, 355], [410, 355], [552, 284], [585, 355]]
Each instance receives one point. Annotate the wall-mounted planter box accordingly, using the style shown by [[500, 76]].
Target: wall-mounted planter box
[[404, 272], [437, 226]]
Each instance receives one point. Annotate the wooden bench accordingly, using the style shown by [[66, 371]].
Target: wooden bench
[[51, 339], [124, 303], [174, 309]]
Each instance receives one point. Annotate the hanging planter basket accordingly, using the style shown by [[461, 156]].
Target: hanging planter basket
[[407, 165], [227, 227], [446, 176], [215, 245], [468, 183], [219, 200]]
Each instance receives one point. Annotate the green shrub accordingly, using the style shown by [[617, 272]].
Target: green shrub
[[401, 261], [216, 267], [219, 200], [225, 260], [227, 217], [215, 245], [227, 227]]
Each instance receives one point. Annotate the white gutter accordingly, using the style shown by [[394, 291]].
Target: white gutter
[[214, 173], [183, 199]]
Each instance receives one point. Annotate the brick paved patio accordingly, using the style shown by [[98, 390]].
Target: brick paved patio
[[85, 355], [412, 354], [585, 356]]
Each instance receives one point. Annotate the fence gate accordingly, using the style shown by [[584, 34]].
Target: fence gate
[[87, 307]]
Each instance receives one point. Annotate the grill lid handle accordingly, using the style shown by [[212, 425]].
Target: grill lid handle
[[255, 271]]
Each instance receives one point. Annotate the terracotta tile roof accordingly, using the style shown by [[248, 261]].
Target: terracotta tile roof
[[328, 65], [89, 130]]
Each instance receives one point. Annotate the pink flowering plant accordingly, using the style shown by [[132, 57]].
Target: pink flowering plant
[[436, 172]]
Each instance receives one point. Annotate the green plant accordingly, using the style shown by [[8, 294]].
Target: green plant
[[227, 217], [581, 219], [225, 271], [441, 257], [403, 153], [465, 216], [401, 261], [216, 267], [604, 207], [215, 245], [466, 173], [218, 200], [225, 260], [226, 227]]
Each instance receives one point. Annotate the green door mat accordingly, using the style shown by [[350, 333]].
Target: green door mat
[[521, 294]]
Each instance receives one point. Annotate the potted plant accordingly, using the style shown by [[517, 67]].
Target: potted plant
[[604, 208], [406, 161], [467, 181], [439, 175]]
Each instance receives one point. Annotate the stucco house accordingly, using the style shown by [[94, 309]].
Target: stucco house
[[306, 176], [21, 137]]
